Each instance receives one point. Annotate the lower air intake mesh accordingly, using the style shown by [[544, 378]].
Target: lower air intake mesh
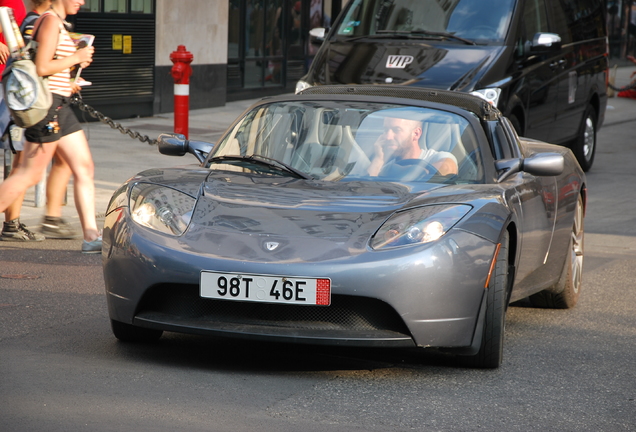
[[344, 313]]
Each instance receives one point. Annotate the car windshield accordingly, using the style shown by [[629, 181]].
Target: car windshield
[[337, 141], [475, 20]]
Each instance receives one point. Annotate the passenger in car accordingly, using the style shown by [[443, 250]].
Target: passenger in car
[[401, 141]]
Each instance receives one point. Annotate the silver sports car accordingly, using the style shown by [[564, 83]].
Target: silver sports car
[[367, 216]]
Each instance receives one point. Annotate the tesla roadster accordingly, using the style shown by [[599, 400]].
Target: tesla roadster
[[284, 230]]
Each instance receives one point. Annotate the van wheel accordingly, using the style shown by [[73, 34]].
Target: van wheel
[[584, 146], [516, 124]]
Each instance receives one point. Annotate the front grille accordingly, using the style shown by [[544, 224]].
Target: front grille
[[346, 313]]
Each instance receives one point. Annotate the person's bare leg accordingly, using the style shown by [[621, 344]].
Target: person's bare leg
[[33, 163], [56, 185], [13, 211], [53, 226], [74, 149], [12, 229]]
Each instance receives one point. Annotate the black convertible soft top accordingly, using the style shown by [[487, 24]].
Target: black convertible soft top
[[478, 106]]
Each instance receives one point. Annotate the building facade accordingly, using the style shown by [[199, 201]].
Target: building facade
[[621, 28], [242, 48]]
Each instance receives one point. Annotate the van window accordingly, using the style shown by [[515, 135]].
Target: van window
[[470, 19], [580, 20], [535, 18]]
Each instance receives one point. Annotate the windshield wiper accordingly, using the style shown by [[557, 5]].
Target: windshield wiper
[[386, 35], [263, 160], [421, 32]]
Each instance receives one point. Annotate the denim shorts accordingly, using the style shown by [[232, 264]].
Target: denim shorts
[[66, 119]]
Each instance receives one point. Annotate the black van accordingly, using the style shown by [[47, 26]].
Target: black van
[[543, 63]]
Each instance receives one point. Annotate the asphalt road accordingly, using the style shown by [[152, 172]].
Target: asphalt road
[[574, 370]]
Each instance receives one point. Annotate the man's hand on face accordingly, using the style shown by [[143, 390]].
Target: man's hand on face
[[378, 157], [380, 148]]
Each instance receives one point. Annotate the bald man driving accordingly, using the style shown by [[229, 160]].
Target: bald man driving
[[400, 141]]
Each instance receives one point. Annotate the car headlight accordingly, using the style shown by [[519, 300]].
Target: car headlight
[[418, 225], [161, 208], [489, 94], [302, 85]]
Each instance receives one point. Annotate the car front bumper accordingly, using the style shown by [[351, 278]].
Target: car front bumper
[[425, 296]]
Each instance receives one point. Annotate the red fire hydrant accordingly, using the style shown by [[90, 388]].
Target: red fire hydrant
[[181, 72]]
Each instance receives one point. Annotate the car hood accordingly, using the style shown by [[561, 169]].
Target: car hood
[[444, 65], [275, 218]]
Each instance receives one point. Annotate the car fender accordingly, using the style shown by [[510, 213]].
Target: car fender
[[487, 221]]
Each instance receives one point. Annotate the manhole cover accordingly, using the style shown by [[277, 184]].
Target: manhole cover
[[18, 276]]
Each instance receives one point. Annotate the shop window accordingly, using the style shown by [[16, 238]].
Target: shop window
[[140, 6], [268, 43], [118, 6], [115, 6], [91, 6]]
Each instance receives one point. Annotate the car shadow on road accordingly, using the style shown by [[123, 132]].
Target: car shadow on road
[[178, 350]]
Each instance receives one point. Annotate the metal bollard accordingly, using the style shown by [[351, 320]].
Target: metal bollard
[[40, 192], [181, 72], [8, 156]]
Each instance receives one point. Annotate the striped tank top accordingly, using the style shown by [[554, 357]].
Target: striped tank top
[[60, 83]]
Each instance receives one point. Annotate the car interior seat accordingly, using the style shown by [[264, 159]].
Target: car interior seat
[[329, 151], [438, 136], [443, 137], [468, 167]]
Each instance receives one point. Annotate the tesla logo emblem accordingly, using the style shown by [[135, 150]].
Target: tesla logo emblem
[[398, 61], [271, 246]]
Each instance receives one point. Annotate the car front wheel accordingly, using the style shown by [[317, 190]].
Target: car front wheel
[[490, 353]]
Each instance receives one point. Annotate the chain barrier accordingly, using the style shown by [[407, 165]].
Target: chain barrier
[[77, 100], [620, 89]]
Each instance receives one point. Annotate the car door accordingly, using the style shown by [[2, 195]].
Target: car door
[[535, 204]]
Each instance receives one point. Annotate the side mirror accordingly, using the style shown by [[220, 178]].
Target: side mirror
[[317, 35], [545, 42], [541, 165], [172, 144], [544, 164], [178, 145]]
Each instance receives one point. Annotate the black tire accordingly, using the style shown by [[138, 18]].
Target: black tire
[[516, 124], [584, 146], [129, 333], [565, 294], [490, 354]]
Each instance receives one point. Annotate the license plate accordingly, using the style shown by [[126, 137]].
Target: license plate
[[266, 289]]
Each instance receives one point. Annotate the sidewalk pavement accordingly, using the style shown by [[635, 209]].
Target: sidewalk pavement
[[118, 157]]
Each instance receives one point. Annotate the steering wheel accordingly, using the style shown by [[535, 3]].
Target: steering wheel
[[409, 169]]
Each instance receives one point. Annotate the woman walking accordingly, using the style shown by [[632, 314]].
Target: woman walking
[[53, 225], [56, 54]]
